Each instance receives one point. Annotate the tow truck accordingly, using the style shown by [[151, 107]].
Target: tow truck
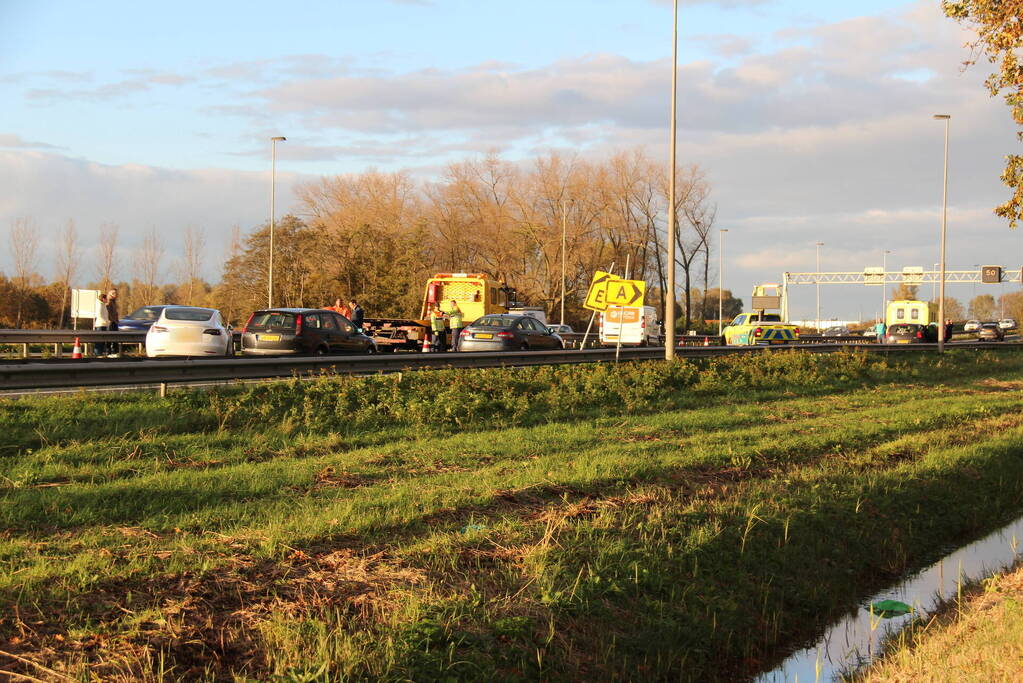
[[759, 326], [477, 295]]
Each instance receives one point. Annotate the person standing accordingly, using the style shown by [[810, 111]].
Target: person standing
[[114, 349], [437, 325], [879, 330], [455, 320], [358, 315], [100, 323], [948, 330]]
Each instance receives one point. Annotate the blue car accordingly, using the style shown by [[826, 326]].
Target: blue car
[[141, 319]]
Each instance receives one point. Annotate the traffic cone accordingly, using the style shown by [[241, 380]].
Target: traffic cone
[[76, 352], [706, 341], [426, 344]]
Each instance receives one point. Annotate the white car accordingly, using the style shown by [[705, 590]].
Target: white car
[[1007, 324], [189, 331], [971, 326]]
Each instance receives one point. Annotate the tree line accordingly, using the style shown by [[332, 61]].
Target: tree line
[[378, 236]]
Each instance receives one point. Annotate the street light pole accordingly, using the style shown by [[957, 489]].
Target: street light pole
[[273, 196], [818, 278], [564, 223], [884, 285], [721, 277], [669, 312], [944, 222]]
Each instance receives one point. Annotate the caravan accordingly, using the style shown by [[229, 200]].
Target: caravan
[[637, 325]]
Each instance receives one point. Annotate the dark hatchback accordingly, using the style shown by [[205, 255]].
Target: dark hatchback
[[289, 331], [910, 333], [508, 333], [141, 318], [990, 332]]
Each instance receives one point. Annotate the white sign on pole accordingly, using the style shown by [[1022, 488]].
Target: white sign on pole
[[873, 276], [83, 303]]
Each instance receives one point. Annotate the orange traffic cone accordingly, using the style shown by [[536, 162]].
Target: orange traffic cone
[[706, 341], [426, 344], [77, 351]]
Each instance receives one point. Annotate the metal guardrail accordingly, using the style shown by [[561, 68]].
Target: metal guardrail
[[89, 374]]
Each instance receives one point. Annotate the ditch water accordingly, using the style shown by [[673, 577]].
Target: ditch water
[[855, 640]]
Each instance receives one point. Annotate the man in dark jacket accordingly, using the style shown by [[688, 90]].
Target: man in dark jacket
[[113, 350], [358, 315]]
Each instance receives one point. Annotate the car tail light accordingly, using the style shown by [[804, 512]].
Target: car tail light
[[505, 335], [757, 332], [214, 332], [465, 332], [248, 322], [298, 324], [796, 331], [919, 335], [158, 328]]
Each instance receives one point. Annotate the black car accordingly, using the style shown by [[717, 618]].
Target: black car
[[910, 333], [990, 332], [280, 331], [508, 333], [141, 318]]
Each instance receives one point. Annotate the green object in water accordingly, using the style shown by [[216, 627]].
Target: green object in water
[[887, 609]]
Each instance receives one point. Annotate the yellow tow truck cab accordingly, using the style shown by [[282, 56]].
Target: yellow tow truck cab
[[477, 295], [910, 311], [761, 327]]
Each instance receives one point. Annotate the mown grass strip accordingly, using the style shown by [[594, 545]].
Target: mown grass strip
[[649, 544]]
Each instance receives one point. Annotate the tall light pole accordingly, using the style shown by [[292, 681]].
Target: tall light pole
[[818, 278], [934, 288], [273, 211], [669, 312], [564, 223], [721, 277], [884, 285], [944, 222]]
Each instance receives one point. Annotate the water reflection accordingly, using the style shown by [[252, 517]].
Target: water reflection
[[853, 641]]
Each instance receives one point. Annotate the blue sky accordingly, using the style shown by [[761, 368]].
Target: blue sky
[[812, 119]]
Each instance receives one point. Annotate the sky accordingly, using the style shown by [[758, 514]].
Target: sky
[[812, 120]]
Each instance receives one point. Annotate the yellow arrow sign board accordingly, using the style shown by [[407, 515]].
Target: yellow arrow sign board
[[598, 287], [625, 292]]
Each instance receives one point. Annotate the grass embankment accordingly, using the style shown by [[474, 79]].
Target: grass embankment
[[979, 638], [643, 521]]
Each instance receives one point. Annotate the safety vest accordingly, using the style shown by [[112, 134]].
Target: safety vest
[[455, 316], [437, 321]]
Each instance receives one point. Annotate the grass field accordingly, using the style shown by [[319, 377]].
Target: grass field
[[642, 522]]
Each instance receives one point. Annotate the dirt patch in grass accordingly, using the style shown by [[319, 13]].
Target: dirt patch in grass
[[198, 624]]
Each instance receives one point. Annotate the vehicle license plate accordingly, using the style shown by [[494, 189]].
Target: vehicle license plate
[[269, 337], [483, 335], [901, 341]]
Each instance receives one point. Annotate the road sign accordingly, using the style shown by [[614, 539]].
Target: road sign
[[991, 274], [625, 292], [873, 276], [913, 275], [595, 299]]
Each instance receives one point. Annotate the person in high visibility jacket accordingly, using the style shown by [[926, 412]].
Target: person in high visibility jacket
[[455, 321], [438, 324]]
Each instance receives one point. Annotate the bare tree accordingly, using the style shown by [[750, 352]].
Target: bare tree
[[68, 258], [24, 243], [191, 258], [147, 268], [107, 254]]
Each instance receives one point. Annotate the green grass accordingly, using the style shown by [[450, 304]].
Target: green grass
[[640, 521]]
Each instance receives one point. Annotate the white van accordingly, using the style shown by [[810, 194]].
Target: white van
[[637, 325]]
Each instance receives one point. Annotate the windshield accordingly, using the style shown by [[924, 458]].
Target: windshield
[[494, 321], [192, 314], [766, 318], [903, 329], [263, 320], [146, 313]]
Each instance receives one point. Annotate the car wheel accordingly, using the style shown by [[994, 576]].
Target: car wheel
[[524, 347], [372, 348], [320, 351]]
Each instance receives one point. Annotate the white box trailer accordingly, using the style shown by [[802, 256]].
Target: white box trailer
[[637, 325]]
